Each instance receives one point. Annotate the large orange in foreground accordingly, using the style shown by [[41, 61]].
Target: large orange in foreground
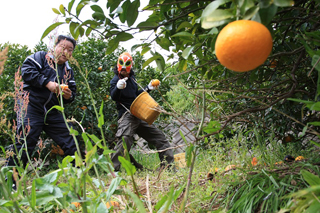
[[243, 45]]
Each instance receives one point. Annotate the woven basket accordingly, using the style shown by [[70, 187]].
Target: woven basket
[[180, 160], [145, 108]]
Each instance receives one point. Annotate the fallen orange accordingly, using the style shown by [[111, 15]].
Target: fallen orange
[[230, 167], [243, 45], [299, 158], [254, 161], [112, 203]]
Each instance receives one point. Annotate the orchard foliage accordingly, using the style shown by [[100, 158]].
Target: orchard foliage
[[188, 30]]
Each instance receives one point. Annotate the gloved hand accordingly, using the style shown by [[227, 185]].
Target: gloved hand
[[122, 83], [154, 84]]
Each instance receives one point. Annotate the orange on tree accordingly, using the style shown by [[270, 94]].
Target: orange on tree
[[273, 63], [155, 82], [243, 45], [100, 68]]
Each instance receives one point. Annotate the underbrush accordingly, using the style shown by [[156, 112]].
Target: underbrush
[[243, 188]]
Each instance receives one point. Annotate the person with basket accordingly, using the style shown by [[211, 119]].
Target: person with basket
[[124, 90]]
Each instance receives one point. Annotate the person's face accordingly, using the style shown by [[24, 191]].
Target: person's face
[[124, 73], [63, 51]]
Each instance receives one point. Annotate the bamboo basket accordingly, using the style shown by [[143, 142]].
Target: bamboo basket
[[145, 108], [180, 160]]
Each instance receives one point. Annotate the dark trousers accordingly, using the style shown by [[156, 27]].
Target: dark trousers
[[128, 125], [33, 124]]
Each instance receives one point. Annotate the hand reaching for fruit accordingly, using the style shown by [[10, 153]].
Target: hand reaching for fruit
[[154, 84]]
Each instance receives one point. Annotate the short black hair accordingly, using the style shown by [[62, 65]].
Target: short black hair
[[63, 37]]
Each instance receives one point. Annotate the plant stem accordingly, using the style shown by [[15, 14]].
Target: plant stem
[[183, 204]]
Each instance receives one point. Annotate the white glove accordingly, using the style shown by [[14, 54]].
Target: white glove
[[150, 87], [122, 83]]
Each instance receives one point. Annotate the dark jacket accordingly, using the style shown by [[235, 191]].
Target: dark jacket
[[127, 95], [37, 70]]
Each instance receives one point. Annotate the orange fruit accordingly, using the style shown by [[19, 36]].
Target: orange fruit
[[273, 63], [155, 82], [100, 68], [254, 161], [76, 204], [243, 45], [64, 86], [112, 203], [230, 167], [299, 158]]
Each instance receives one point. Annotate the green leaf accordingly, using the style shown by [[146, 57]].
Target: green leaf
[[210, 8], [98, 16], [72, 28], [138, 203], [310, 178], [169, 201], [164, 43], [113, 187], [97, 8], [316, 63], [123, 15], [250, 13], [50, 28], [113, 4], [56, 11], [6, 203], [123, 36], [212, 126], [147, 62], [61, 8], [161, 63], [80, 7], [70, 5], [102, 208], [94, 138], [189, 154], [267, 14], [315, 123], [283, 3], [90, 154], [145, 50], [133, 12], [186, 52], [57, 107], [112, 45], [218, 18], [33, 194], [127, 165], [101, 116], [315, 143], [44, 197], [147, 25], [183, 34], [184, 25]]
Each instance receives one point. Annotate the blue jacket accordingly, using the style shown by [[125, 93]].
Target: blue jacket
[[127, 95], [37, 72]]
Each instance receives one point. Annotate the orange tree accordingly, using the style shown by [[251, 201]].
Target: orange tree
[[189, 29]]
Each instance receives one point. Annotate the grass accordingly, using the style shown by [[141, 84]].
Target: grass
[[245, 188]]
